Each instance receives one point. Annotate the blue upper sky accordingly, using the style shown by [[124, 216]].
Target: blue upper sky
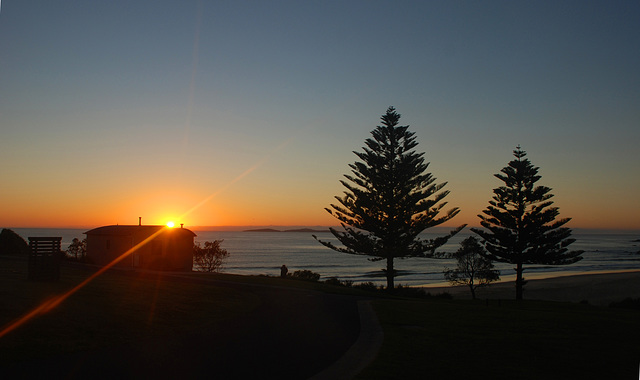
[[129, 108]]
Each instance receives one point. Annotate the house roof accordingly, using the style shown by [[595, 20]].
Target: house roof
[[131, 230]]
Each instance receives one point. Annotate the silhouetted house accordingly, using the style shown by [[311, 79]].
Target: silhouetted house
[[149, 247]]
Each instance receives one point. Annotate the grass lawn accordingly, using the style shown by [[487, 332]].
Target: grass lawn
[[459, 339], [424, 338], [113, 309]]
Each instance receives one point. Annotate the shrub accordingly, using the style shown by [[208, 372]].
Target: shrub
[[12, 244], [407, 291], [306, 275], [337, 282], [370, 286], [209, 258], [333, 281]]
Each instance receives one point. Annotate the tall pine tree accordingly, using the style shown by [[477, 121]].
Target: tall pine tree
[[390, 199], [520, 226]]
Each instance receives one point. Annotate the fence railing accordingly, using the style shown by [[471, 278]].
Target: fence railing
[[44, 258]]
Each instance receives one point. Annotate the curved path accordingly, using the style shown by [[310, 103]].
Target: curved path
[[363, 351]]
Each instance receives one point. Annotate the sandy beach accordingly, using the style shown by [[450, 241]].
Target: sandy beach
[[596, 288]]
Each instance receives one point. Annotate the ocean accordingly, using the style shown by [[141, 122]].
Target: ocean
[[263, 253]]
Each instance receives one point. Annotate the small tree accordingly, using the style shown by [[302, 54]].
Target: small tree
[[77, 249], [390, 200], [209, 258], [473, 268], [520, 227]]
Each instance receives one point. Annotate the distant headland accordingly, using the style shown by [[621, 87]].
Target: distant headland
[[291, 230]]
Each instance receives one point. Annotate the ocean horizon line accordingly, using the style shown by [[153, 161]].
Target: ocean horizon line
[[286, 228]]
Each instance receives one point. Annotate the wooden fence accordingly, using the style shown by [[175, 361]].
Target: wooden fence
[[44, 258]]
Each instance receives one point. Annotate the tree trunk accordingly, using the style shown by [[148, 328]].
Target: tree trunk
[[390, 274], [519, 281]]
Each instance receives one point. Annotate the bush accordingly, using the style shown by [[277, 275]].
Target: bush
[[337, 282], [370, 286], [306, 275], [407, 291], [12, 244], [333, 281]]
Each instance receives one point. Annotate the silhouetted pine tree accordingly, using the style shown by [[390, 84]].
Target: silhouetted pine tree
[[390, 199], [520, 227]]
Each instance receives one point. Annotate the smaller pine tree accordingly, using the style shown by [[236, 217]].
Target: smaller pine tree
[[520, 226], [473, 268]]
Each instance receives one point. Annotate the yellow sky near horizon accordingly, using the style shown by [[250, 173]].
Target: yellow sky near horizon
[[250, 203]]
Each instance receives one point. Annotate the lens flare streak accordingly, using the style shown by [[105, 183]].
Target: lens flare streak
[[52, 303]]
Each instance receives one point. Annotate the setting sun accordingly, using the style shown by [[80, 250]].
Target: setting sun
[[170, 224]]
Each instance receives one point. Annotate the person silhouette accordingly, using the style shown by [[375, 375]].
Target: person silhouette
[[284, 270]]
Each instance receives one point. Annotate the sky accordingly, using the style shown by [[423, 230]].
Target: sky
[[247, 113]]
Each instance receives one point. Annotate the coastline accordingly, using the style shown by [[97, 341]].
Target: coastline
[[264, 253], [597, 288]]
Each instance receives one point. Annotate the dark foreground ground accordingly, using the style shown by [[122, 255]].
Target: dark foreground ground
[[291, 334], [150, 325]]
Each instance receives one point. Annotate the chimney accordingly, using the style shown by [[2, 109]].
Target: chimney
[[139, 220]]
